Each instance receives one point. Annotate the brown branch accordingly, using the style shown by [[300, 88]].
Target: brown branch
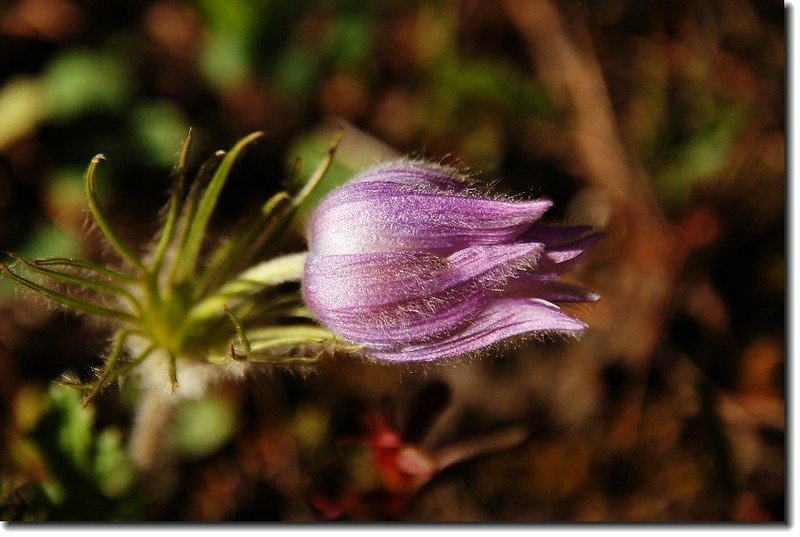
[[644, 260]]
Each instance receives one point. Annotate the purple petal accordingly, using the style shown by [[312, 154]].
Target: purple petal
[[543, 286], [501, 319], [413, 263], [388, 298], [418, 176], [552, 236], [376, 216], [564, 258]]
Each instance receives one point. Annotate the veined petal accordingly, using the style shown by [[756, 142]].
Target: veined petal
[[413, 263], [499, 320], [418, 176], [552, 236], [566, 257], [391, 297], [544, 287], [376, 216]]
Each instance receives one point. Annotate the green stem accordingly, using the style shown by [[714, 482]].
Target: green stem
[[172, 370]]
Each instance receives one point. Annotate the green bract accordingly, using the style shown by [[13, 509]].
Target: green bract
[[175, 305]]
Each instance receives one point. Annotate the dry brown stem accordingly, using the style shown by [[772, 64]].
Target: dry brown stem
[[644, 259]]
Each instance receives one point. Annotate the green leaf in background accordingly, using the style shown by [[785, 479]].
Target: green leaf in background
[[74, 431], [114, 469], [228, 56], [226, 59], [22, 106], [355, 152], [65, 191], [296, 72], [89, 474], [159, 128], [351, 41], [311, 424], [477, 80], [46, 240], [51, 241], [202, 426], [703, 156], [79, 81], [74, 83]]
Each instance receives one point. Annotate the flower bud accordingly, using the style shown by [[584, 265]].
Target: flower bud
[[413, 264]]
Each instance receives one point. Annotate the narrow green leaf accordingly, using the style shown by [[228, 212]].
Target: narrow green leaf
[[179, 178], [232, 252], [90, 180], [288, 360], [127, 367], [109, 373], [71, 382], [197, 230], [265, 310], [65, 300], [237, 324], [290, 331], [74, 279], [297, 168], [260, 349], [276, 271], [319, 173], [83, 264], [299, 311], [274, 214], [264, 348], [285, 216], [190, 208]]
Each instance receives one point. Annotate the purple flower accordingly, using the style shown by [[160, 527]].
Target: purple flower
[[412, 263]]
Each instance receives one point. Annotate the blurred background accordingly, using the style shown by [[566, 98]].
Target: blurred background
[[660, 122]]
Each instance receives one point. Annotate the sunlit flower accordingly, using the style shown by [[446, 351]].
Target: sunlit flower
[[414, 264]]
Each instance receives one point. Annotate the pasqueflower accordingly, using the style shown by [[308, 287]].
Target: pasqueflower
[[414, 264]]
